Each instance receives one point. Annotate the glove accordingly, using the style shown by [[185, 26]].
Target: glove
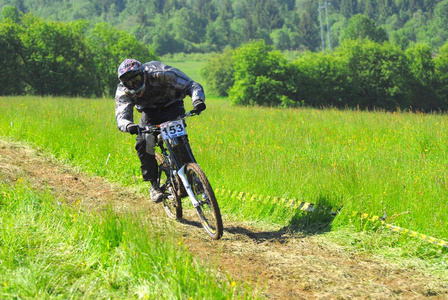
[[134, 129], [198, 106]]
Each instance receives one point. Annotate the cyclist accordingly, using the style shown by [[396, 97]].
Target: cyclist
[[157, 91]]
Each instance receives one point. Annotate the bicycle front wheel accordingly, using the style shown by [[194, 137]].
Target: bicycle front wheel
[[208, 209]]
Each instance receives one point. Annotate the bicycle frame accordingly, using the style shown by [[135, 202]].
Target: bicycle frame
[[182, 176], [171, 148]]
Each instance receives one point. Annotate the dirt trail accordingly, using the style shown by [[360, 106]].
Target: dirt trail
[[280, 265]]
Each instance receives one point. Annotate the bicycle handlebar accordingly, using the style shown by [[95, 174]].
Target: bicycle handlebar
[[155, 128]]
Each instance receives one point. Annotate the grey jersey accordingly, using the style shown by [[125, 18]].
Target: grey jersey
[[164, 86]]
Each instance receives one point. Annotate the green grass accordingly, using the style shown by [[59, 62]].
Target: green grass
[[371, 162], [51, 251], [384, 164], [366, 162], [190, 64]]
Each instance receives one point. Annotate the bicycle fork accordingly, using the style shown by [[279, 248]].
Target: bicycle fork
[[187, 186]]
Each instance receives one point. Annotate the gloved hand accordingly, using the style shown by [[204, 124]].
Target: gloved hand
[[134, 129], [198, 106]]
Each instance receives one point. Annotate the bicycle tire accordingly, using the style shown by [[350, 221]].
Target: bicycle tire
[[208, 211], [171, 202]]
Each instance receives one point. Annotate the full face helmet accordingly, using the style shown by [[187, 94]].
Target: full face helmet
[[130, 73]]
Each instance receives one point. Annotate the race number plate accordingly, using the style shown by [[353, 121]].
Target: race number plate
[[173, 129]]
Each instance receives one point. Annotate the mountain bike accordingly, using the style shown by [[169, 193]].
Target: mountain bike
[[181, 176]]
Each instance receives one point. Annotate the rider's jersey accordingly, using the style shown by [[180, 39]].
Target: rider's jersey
[[165, 85]]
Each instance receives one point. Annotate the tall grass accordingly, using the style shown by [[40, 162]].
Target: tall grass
[[50, 251], [375, 162], [387, 164]]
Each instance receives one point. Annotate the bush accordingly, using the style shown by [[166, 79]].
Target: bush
[[261, 75], [359, 73], [379, 73], [321, 80], [12, 67], [423, 83], [218, 72], [441, 72]]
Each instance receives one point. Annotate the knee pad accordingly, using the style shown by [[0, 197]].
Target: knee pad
[[150, 143]]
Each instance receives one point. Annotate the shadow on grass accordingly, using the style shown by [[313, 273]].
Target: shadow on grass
[[302, 224]]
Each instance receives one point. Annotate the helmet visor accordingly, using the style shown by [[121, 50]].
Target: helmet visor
[[134, 83]]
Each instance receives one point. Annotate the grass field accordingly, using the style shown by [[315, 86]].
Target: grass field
[[392, 165], [189, 64], [50, 251], [385, 164]]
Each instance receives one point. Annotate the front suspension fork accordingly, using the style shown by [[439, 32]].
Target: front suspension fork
[[187, 186]]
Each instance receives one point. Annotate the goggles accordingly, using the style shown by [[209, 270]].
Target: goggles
[[134, 83]]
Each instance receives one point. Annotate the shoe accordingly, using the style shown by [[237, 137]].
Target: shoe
[[156, 194]]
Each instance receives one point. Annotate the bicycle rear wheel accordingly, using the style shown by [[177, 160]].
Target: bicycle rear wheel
[[208, 210], [171, 202]]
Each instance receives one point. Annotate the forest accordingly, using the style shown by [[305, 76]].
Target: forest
[[171, 26], [359, 54]]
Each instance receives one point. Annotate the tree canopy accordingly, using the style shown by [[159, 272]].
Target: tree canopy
[[170, 26], [55, 58]]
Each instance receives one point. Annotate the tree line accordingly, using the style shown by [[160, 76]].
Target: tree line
[[55, 58], [359, 74], [365, 70], [172, 26]]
